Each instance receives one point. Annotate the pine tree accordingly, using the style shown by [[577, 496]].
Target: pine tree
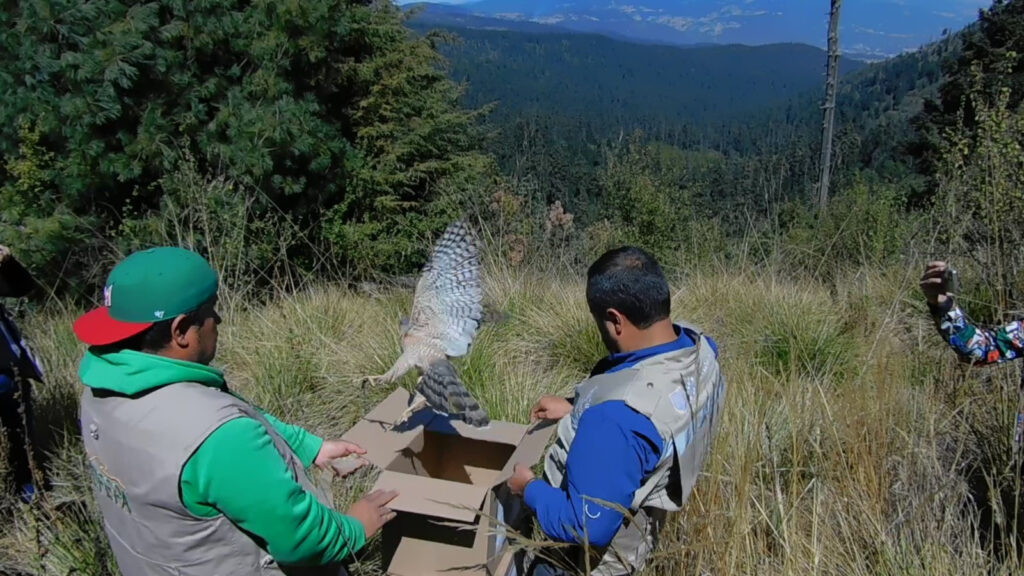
[[332, 111], [995, 43]]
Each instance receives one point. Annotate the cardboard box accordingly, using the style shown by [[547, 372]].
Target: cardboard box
[[451, 483]]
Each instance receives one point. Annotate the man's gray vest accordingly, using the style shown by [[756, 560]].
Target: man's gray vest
[[682, 393], [137, 447]]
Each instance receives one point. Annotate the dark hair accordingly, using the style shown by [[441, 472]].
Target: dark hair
[[158, 336], [152, 339], [629, 280]]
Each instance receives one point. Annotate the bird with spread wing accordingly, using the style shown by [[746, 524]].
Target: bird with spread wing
[[447, 309]]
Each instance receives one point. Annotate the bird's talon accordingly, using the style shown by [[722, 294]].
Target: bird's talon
[[401, 419]]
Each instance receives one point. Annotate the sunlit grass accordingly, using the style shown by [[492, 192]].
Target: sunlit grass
[[849, 444]]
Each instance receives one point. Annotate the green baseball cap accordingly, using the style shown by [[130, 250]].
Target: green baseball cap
[[145, 288]]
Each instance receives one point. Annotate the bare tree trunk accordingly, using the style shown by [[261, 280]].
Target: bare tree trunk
[[831, 79]]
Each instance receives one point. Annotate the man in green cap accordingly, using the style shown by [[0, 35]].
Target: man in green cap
[[190, 478]]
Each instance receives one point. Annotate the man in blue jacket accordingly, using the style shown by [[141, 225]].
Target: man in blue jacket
[[635, 435]]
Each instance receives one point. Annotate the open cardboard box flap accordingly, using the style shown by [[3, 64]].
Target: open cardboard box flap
[[530, 448], [433, 496], [381, 444], [371, 433], [445, 470]]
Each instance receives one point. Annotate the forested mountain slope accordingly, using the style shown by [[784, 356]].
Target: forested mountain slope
[[625, 85]]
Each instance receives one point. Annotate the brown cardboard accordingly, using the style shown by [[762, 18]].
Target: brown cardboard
[[530, 447], [451, 481], [432, 497]]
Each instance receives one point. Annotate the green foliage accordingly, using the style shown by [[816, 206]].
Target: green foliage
[[29, 191], [328, 111], [797, 342], [49, 239], [867, 224], [998, 33], [218, 218], [981, 193], [641, 200], [597, 79], [659, 197], [870, 224], [563, 98], [332, 122]]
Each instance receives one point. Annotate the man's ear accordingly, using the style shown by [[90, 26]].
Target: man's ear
[[616, 319], [179, 331]]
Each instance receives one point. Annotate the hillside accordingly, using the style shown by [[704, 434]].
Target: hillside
[[875, 104], [560, 97], [625, 85]]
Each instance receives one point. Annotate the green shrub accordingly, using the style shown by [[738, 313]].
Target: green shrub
[[330, 112]]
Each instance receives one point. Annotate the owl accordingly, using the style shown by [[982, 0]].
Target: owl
[[447, 310]]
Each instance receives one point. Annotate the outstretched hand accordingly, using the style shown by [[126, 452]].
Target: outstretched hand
[[933, 283], [332, 450]]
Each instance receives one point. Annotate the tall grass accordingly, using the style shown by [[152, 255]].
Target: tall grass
[[851, 442]]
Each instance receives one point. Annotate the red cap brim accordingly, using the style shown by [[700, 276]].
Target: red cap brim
[[97, 328]]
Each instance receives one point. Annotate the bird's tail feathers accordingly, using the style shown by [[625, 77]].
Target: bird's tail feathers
[[441, 386]]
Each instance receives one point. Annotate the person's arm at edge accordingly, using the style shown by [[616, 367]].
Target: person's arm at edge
[[976, 344], [238, 472]]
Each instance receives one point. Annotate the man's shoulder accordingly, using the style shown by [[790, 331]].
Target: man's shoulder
[[713, 344], [240, 428], [696, 332], [201, 392], [617, 413], [616, 416]]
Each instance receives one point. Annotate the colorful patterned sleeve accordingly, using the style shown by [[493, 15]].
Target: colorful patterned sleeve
[[975, 344]]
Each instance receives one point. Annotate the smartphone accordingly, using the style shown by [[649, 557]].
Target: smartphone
[[952, 281]]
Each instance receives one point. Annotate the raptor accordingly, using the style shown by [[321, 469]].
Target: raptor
[[447, 309]]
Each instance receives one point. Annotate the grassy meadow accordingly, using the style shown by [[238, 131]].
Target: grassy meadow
[[305, 146], [852, 442]]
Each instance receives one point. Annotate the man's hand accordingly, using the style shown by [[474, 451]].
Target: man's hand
[[933, 283], [521, 476], [550, 408], [334, 449], [372, 511]]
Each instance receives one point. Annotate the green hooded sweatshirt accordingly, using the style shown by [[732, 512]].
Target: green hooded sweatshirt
[[237, 471]]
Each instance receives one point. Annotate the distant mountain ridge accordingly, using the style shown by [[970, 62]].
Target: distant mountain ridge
[[585, 87], [575, 75], [447, 15], [869, 29]]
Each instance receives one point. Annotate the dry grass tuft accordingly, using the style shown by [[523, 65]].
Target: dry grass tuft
[[851, 443]]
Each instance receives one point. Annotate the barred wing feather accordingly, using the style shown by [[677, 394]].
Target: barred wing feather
[[448, 304]]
